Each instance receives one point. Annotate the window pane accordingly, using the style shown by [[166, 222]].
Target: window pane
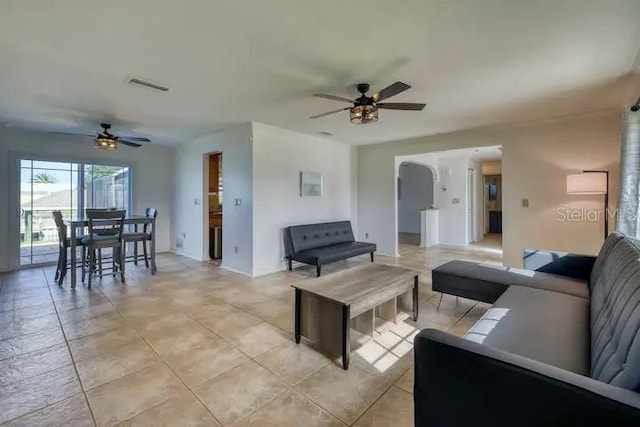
[[43, 190], [106, 186]]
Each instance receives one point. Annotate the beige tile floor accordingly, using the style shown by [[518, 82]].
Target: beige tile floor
[[196, 345]]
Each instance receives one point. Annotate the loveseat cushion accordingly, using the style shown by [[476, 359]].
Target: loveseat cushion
[[301, 238], [547, 326], [328, 254], [615, 313]]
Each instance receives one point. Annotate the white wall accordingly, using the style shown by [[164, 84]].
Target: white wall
[[279, 156], [191, 236], [536, 159], [152, 177]]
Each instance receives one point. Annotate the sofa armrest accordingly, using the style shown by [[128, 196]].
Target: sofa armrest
[[560, 263], [460, 382]]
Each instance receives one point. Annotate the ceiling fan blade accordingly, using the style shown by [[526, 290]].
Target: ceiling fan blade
[[136, 138], [129, 143], [329, 112], [408, 106], [391, 90], [333, 98]]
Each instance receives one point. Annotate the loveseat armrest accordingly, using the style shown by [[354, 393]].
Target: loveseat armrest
[[560, 263], [460, 382]]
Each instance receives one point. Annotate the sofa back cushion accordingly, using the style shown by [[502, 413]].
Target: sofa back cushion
[[300, 238], [615, 313]]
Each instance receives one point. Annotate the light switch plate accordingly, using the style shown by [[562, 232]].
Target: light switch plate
[[525, 203]]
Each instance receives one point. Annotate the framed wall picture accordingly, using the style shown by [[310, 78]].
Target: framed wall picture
[[311, 184]]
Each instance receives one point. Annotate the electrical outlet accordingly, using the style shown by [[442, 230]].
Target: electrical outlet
[[525, 203], [455, 201], [235, 249]]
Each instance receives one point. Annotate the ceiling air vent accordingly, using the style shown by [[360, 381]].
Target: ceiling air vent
[[149, 84]]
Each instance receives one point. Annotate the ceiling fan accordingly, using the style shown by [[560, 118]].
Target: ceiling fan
[[365, 108], [108, 141]]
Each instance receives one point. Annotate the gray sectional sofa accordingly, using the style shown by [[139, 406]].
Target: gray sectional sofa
[[559, 346]]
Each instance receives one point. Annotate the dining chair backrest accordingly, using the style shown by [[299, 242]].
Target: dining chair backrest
[[106, 222], [106, 230], [149, 213], [62, 229]]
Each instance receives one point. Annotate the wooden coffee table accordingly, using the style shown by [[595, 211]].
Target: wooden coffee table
[[326, 308]]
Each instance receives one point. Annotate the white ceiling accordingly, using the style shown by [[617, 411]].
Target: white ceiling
[[64, 64]]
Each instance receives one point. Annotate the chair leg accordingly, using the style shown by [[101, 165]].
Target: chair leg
[[122, 256], [146, 255], [290, 264], [99, 262], [63, 266], [58, 267], [113, 262], [318, 270], [84, 263], [135, 253], [371, 256], [440, 302], [92, 264]]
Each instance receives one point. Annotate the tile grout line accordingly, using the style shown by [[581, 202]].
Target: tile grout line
[[164, 361], [73, 361]]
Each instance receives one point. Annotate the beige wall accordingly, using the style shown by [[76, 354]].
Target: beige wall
[[535, 167], [536, 160]]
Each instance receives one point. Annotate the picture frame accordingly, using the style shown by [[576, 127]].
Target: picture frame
[[311, 184]]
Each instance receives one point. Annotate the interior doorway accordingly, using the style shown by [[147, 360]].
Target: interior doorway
[[415, 194], [215, 202], [457, 212], [471, 197]]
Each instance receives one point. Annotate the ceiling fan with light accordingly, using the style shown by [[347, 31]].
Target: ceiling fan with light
[[365, 108], [107, 141]]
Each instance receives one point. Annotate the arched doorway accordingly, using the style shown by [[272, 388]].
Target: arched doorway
[[415, 193]]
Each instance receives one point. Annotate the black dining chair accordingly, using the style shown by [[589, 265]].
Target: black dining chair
[[64, 244], [143, 237], [105, 231]]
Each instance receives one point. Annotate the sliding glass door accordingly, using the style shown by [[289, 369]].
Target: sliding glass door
[[48, 186]]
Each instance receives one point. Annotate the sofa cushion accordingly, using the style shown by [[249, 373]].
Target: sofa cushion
[[328, 254], [615, 313], [494, 279], [310, 236], [547, 326]]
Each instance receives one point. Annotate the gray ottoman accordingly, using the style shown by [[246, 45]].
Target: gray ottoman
[[486, 282]]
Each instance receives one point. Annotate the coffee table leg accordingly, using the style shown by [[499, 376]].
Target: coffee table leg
[[346, 338], [297, 317], [415, 298]]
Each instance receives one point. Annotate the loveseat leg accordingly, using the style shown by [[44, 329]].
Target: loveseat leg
[[371, 256], [318, 268], [290, 264]]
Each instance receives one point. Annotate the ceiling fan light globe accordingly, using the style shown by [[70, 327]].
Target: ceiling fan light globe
[[105, 143], [363, 114]]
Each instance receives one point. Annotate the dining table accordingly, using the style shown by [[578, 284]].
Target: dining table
[[81, 222]]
